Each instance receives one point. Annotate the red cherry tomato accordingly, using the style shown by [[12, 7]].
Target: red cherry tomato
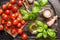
[[24, 36], [7, 12], [1, 27], [1, 11], [3, 21], [7, 28], [23, 22], [9, 23], [15, 22], [20, 31], [9, 6], [4, 7], [14, 9], [12, 1], [19, 25], [17, 14], [4, 16], [19, 3], [13, 31], [19, 18], [12, 16]]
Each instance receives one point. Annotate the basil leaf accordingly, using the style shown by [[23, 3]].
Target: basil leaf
[[39, 23], [50, 30], [36, 4], [31, 16], [40, 29], [45, 34], [23, 12], [35, 9], [45, 26], [51, 33], [43, 2], [39, 35], [26, 17]]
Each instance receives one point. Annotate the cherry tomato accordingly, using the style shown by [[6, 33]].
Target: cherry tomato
[[7, 28], [1, 11], [7, 12], [19, 25], [14, 9], [4, 16], [13, 31], [9, 6], [1, 27], [23, 22], [12, 1], [19, 18], [24, 36], [20, 31], [17, 14], [9, 23], [12, 16], [15, 22], [3, 21], [19, 3], [4, 7]]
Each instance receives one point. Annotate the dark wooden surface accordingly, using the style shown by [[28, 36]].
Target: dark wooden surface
[[56, 5]]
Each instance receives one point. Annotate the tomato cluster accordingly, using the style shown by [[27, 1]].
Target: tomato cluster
[[11, 19]]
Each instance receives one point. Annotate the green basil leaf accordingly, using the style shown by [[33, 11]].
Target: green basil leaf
[[39, 35], [35, 9], [39, 23], [31, 16], [36, 4], [26, 17], [23, 12], [40, 29], [50, 30], [43, 2], [51, 33], [45, 34], [45, 26], [54, 35]]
